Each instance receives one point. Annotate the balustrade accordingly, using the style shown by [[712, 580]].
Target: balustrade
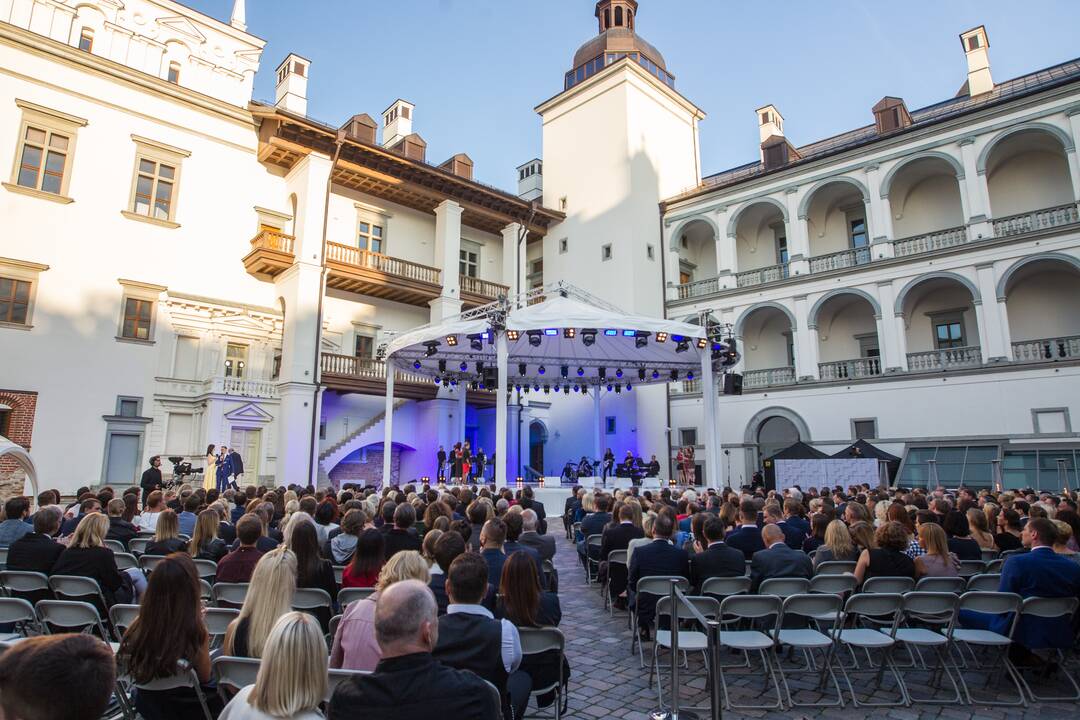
[[850, 369], [945, 359], [1035, 220], [771, 377], [1062, 348], [761, 276]]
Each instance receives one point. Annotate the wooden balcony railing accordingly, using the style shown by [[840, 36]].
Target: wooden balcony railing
[[850, 369], [382, 263], [369, 273], [366, 368], [928, 242], [771, 377], [348, 374], [945, 359], [271, 253], [273, 240], [481, 288], [1061, 348], [1036, 220]]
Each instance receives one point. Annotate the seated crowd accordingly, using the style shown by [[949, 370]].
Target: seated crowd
[[454, 574]]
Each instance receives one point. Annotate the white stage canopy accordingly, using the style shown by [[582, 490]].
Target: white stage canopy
[[557, 338], [22, 458]]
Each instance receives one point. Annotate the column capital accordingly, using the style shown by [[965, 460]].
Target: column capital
[[449, 206], [966, 140], [791, 190], [872, 167]]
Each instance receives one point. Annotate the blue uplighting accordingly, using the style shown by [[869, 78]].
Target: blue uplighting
[[551, 332], [629, 333], [611, 333]]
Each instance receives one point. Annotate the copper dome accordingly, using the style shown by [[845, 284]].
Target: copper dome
[[617, 40]]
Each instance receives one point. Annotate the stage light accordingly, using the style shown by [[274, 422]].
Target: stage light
[[577, 388], [702, 343], [629, 333], [463, 367], [432, 347], [674, 375], [588, 337], [564, 371], [479, 367], [641, 374], [438, 381], [453, 383], [580, 371], [526, 389], [611, 333], [628, 387], [416, 365], [512, 335], [474, 386], [689, 376], [566, 389], [547, 389], [522, 369], [518, 388], [661, 337], [451, 340], [641, 339], [535, 336], [618, 373], [541, 369], [683, 346], [618, 388], [655, 374], [551, 332], [569, 333], [602, 373], [609, 388], [536, 387], [442, 366], [476, 341]]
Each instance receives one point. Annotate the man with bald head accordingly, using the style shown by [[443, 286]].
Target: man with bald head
[[777, 560], [408, 682]]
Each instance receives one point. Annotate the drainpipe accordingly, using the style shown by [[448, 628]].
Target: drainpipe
[[663, 306], [338, 142]]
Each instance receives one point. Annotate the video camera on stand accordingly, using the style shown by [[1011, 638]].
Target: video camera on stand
[[181, 469]]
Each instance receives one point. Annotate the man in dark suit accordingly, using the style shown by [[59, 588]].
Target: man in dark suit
[[792, 508], [492, 537], [746, 537], [37, 551], [528, 502], [618, 538], [793, 536], [717, 560], [571, 506], [237, 467], [594, 524], [778, 560], [90, 505], [401, 536], [659, 557], [151, 477]]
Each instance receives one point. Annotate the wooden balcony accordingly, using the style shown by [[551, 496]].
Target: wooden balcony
[[364, 376], [376, 275], [475, 291], [271, 254]]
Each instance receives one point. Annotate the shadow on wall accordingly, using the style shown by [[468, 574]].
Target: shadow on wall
[[365, 466]]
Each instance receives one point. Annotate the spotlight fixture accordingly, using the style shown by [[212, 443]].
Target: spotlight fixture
[[611, 333], [588, 337], [518, 388], [628, 387], [451, 340], [566, 389], [580, 371], [629, 333], [731, 355], [602, 373], [674, 375], [609, 388], [442, 366], [689, 376], [577, 388], [702, 343], [479, 367], [655, 374], [416, 365], [564, 371], [682, 346], [474, 386], [569, 333], [551, 332], [536, 387], [453, 383], [476, 341], [541, 369], [512, 335], [535, 336], [547, 389], [522, 369], [618, 388], [661, 337], [641, 374], [641, 339], [463, 367], [438, 381], [432, 347], [618, 373]]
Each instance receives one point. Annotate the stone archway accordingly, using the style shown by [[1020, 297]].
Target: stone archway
[[538, 437]]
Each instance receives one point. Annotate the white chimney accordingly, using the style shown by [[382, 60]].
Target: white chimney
[[769, 123], [292, 78], [397, 122], [531, 180], [239, 15], [976, 48]]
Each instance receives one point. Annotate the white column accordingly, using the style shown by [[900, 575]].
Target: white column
[[998, 347], [500, 410], [598, 451], [900, 325], [977, 194], [712, 434], [727, 261], [510, 249], [388, 425], [880, 214], [798, 237], [671, 265], [447, 249], [890, 330], [462, 409], [1074, 173], [1074, 126], [805, 342]]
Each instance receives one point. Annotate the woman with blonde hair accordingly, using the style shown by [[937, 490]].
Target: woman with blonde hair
[[980, 531], [205, 543], [269, 596], [355, 647], [838, 544], [291, 507], [292, 681], [862, 534], [297, 517], [87, 556], [1061, 541], [936, 561], [427, 549], [167, 538]]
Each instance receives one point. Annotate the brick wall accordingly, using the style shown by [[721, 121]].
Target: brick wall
[[369, 472], [20, 430]]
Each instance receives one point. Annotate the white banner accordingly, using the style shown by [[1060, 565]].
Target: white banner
[[826, 472]]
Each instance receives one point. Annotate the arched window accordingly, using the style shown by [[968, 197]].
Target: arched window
[[607, 18], [174, 73], [618, 16], [630, 19]]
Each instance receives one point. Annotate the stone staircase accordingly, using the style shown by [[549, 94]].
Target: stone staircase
[[368, 433]]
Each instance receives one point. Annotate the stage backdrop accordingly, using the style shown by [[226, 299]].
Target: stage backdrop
[[822, 473]]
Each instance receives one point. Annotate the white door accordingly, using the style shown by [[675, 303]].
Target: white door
[[122, 466], [246, 442]]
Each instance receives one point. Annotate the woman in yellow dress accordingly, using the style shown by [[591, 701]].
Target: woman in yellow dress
[[210, 471]]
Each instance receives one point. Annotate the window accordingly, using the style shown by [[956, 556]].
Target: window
[[137, 317], [685, 276], [299, 68], [609, 425], [618, 16], [1039, 469], [86, 40], [14, 301], [43, 160], [955, 466], [687, 436], [5, 421], [174, 73], [364, 347], [235, 360], [127, 407], [605, 252], [564, 245], [370, 236], [857, 232], [536, 273], [650, 252], [864, 429], [973, 42], [154, 185], [276, 372], [469, 259], [948, 329], [782, 256]]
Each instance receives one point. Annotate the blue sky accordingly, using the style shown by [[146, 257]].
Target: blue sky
[[476, 68]]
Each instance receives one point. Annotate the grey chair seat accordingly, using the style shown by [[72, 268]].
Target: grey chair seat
[[689, 640], [980, 637], [745, 639], [920, 636], [805, 638], [867, 638]]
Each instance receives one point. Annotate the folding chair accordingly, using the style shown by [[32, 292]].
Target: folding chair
[[339, 572], [149, 562], [137, 545], [1065, 607], [233, 673], [689, 640], [230, 595], [312, 599], [997, 644], [574, 530], [832, 584], [815, 607], [954, 585], [349, 595], [121, 617], [747, 641], [18, 612], [206, 592], [784, 587], [592, 564], [76, 587], [658, 585], [835, 567], [336, 676], [30, 586], [116, 546], [994, 566], [971, 567], [984, 582], [125, 560], [207, 570], [185, 677], [722, 587], [889, 585], [873, 608], [3, 557], [217, 622], [71, 616], [935, 609], [332, 631], [549, 572], [535, 641], [615, 557], [989, 555]]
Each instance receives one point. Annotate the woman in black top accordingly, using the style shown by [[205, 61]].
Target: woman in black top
[[167, 538], [523, 604], [311, 570], [818, 524], [961, 544], [1008, 532], [889, 558], [87, 556], [205, 544]]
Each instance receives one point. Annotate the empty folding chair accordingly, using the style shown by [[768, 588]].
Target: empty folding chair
[[116, 546], [989, 555], [206, 592], [721, 587], [690, 641], [994, 566], [1046, 608], [207, 569], [784, 587], [833, 584], [889, 585], [658, 585], [217, 623], [149, 562], [121, 617], [30, 586], [971, 567], [19, 613], [3, 557], [76, 587], [315, 601], [137, 545], [339, 572], [332, 632], [336, 676], [185, 677], [835, 567], [348, 595], [593, 543], [71, 616], [954, 585], [1006, 606], [230, 595], [811, 608], [549, 572], [547, 640], [125, 561], [984, 582], [615, 558], [871, 609], [233, 673], [753, 607], [935, 609]]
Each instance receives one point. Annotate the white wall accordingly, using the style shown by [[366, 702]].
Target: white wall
[[1045, 305], [839, 321], [755, 236], [1029, 181], [764, 343], [931, 203], [936, 296]]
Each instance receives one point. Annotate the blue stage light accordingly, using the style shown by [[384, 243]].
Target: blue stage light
[[611, 333], [551, 332], [629, 333]]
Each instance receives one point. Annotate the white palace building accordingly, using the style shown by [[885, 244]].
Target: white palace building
[[182, 265]]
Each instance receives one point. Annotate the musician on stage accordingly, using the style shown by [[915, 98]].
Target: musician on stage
[[608, 465], [653, 468], [440, 457], [584, 468]]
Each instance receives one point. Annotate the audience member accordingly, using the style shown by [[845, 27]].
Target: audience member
[[87, 556], [936, 560], [190, 514], [715, 558], [889, 558], [448, 547], [311, 570], [57, 677], [342, 545], [746, 537], [492, 537], [514, 524], [37, 551], [155, 504], [167, 538], [268, 598], [367, 560], [86, 507], [402, 536], [778, 559], [120, 529], [659, 557], [205, 543], [238, 566], [961, 543], [1008, 535]]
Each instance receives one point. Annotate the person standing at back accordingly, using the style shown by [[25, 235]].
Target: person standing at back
[[151, 477]]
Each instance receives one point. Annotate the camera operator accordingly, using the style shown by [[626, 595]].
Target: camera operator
[[151, 477]]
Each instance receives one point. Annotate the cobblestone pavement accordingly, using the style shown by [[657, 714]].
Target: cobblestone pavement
[[607, 681]]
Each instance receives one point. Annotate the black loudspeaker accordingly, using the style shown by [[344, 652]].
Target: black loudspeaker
[[490, 378], [732, 384]]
